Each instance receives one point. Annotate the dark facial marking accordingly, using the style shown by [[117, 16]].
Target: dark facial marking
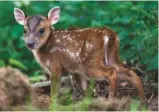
[[33, 22]]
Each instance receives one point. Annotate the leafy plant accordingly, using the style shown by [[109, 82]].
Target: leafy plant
[[135, 23]]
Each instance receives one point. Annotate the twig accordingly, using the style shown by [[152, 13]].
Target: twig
[[125, 88], [137, 68], [41, 84], [47, 83], [151, 98], [149, 92]]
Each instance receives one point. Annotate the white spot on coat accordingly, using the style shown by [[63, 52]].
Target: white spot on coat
[[76, 44], [64, 37], [80, 30], [89, 46], [64, 50], [48, 63], [67, 50], [71, 54], [57, 40], [77, 54], [70, 39], [55, 36], [55, 49], [66, 31]]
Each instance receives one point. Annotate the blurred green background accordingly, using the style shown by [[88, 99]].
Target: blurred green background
[[135, 22]]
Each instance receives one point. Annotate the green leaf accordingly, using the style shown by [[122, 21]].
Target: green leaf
[[134, 105], [17, 63], [4, 54], [34, 79], [2, 64], [16, 32], [153, 63]]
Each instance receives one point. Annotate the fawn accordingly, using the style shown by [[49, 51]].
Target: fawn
[[91, 52]]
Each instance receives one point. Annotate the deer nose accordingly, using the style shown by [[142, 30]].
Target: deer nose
[[31, 44]]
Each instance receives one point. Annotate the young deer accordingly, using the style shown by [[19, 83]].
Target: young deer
[[90, 52]]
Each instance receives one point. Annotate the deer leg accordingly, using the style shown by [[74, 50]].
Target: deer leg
[[105, 72], [55, 86], [79, 85], [124, 73], [130, 76], [55, 81]]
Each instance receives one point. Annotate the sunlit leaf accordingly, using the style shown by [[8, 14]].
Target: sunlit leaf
[[17, 63]]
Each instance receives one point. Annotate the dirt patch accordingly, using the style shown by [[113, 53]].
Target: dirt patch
[[42, 99], [15, 88]]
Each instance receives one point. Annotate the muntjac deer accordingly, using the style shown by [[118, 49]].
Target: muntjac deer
[[90, 52]]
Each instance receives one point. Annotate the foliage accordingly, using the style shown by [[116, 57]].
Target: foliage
[[88, 104], [78, 106], [135, 22]]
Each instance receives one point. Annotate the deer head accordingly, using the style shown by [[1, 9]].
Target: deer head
[[37, 28]]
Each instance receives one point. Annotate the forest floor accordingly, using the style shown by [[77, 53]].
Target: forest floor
[[15, 86], [123, 90]]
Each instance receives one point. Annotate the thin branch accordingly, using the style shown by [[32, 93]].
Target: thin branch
[[47, 83], [136, 68], [151, 98], [125, 88], [41, 84]]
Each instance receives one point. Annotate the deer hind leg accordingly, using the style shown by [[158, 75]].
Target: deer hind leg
[[131, 77], [105, 72], [124, 73]]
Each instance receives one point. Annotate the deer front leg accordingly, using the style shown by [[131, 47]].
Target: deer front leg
[[55, 85], [105, 72], [55, 81], [79, 84]]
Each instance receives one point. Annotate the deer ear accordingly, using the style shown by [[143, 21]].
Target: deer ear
[[54, 15], [19, 16]]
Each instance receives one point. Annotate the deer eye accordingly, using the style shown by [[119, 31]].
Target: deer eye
[[41, 31]]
